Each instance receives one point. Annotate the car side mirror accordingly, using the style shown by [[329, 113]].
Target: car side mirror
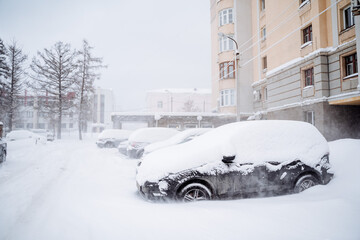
[[228, 159]]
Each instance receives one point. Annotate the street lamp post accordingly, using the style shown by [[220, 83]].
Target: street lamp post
[[237, 80]]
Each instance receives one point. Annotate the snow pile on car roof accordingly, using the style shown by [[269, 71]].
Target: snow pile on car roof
[[115, 133], [251, 142], [176, 139], [150, 135]]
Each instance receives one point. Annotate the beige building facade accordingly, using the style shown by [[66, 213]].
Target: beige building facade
[[304, 65]]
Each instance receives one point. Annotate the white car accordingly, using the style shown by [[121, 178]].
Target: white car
[[43, 132], [16, 135], [110, 138], [145, 136], [181, 137]]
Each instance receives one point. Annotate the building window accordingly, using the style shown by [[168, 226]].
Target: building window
[[227, 97], [351, 64], [263, 34], [264, 63], [29, 125], [262, 5], [226, 44], [310, 117], [71, 125], [265, 94], [29, 114], [307, 34], [227, 70], [309, 77], [303, 2], [348, 17], [226, 16], [160, 104], [63, 125]]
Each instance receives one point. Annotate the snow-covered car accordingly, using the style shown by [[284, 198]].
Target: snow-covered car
[[181, 137], [24, 134], [142, 137], [110, 138], [243, 159], [50, 136], [122, 148], [3, 150]]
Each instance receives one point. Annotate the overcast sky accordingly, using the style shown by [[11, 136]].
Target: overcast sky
[[146, 44]]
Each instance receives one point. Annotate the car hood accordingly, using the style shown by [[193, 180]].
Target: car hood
[[251, 142]]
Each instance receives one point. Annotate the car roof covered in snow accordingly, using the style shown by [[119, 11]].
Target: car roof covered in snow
[[115, 133], [176, 139], [250, 142], [151, 135]]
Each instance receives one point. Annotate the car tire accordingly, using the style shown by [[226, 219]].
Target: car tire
[[109, 145], [194, 192], [305, 182]]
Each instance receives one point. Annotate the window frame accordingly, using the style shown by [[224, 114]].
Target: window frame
[[352, 19], [227, 97], [227, 70], [263, 33], [310, 114], [224, 16], [226, 44], [353, 63], [309, 72], [262, 5], [264, 63], [307, 34]]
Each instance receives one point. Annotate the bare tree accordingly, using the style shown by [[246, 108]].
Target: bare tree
[[4, 86], [189, 106], [54, 73], [88, 72], [16, 59]]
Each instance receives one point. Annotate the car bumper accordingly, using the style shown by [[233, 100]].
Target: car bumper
[[100, 144], [151, 193]]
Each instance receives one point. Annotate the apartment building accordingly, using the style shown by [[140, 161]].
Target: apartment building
[[30, 114], [304, 62], [228, 33], [103, 106]]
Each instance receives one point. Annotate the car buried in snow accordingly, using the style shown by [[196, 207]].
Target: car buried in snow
[[243, 159], [142, 137], [111, 138]]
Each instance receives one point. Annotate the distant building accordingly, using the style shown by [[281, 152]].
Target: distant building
[[103, 106], [29, 114], [178, 100]]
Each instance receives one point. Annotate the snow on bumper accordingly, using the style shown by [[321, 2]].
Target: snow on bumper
[[152, 191]]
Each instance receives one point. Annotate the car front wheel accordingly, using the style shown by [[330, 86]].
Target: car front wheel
[[194, 192], [305, 182]]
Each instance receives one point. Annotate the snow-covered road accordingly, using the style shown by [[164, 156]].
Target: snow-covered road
[[73, 190]]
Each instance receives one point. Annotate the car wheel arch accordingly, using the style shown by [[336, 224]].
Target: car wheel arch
[[195, 180], [312, 173]]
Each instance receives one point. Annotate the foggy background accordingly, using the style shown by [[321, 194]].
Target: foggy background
[[146, 44]]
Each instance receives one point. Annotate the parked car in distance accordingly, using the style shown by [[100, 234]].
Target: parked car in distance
[[50, 136], [16, 135], [123, 147], [145, 136], [110, 138], [179, 138], [243, 159]]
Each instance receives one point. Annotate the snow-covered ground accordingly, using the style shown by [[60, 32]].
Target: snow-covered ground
[[73, 190]]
